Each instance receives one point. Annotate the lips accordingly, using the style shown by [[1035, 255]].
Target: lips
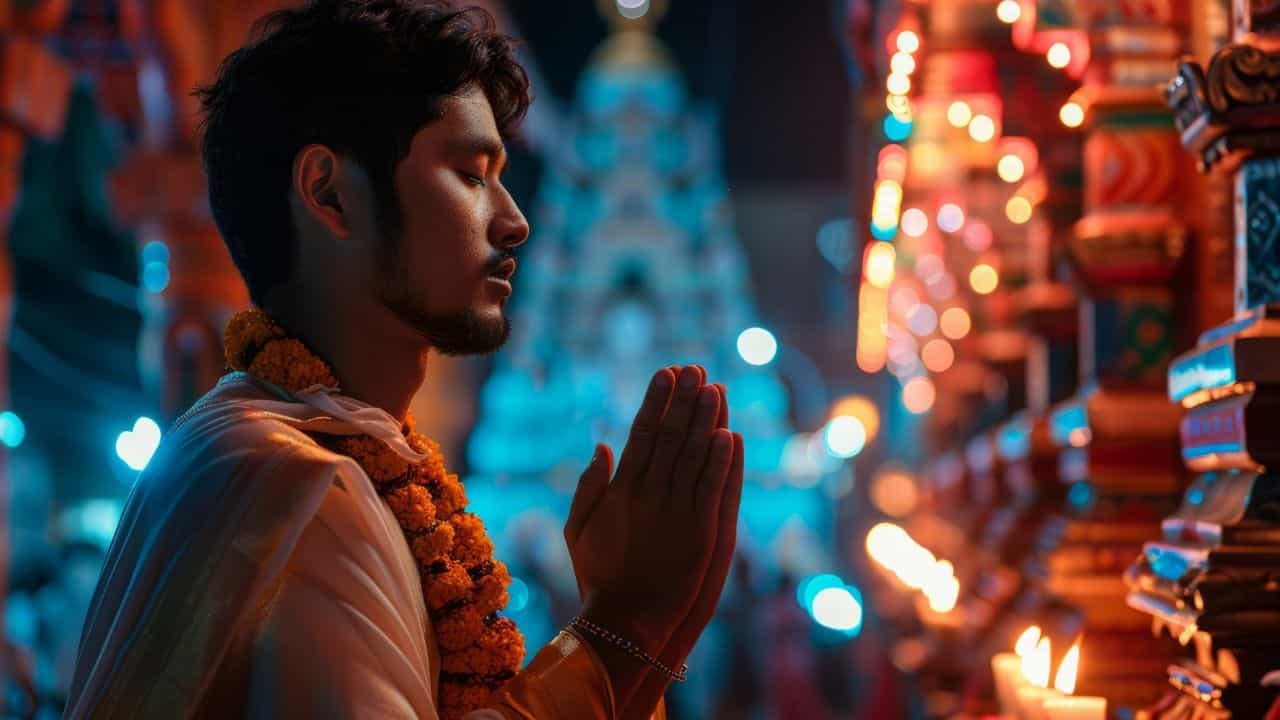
[[505, 270]]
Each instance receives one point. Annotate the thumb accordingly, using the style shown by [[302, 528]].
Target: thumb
[[591, 487]]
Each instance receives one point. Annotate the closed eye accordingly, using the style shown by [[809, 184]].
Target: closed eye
[[474, 179]]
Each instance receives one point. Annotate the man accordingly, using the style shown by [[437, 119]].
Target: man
[[296, 549]]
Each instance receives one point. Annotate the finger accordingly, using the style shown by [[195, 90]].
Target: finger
[[722, 420], [644, 429], [714, 475], [726, 537], [591, 487], [672, 431], [693, 457]]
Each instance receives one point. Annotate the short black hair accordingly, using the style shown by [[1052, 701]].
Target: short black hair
[[358, 76]]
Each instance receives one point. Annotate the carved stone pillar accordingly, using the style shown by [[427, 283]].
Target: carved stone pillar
[[1118, 438], [1210, 578]]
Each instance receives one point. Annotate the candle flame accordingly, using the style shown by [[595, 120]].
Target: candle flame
[[1035, 665], [1065, 680], [1027, 641]]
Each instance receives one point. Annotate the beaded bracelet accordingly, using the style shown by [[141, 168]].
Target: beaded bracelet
[[630, 648]]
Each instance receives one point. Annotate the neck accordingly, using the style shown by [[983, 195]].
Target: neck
[[375, 358]]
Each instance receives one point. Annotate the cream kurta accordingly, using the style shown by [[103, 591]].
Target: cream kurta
[[257, 574]]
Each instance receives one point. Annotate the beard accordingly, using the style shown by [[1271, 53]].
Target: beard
[[458, 333]]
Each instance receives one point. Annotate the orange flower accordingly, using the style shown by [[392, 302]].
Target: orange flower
[[476, 650]]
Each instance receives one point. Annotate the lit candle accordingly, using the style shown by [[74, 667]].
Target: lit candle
[[1072, 708], [1007, 670], [1032, 695]]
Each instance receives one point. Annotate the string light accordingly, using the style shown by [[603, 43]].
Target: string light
[[902, 63], [982, 128], [1008, 11], [1071, 114], [1010, 168], [908, 41], [959, 113], [914, 222], [984, 279], [898, 84], [879, 264], [1058, 55], [1018, 209], [918, 395], [955, 323], [950, 217], [938, 355]]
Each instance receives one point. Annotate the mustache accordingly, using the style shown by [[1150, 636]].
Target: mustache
[[492, 265]]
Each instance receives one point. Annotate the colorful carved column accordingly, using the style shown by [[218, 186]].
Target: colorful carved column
[[1211, 577], [1118, 437]]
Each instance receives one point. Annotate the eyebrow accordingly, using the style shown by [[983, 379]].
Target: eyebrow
[[482, 145]]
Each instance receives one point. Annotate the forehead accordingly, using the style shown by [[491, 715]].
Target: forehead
[[466, 115]]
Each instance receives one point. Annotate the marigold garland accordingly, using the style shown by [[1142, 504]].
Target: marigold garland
[[464, 587]]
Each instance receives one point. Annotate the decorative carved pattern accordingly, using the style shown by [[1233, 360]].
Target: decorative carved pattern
[[1243, 75], [1228, 111], [1259, 234]]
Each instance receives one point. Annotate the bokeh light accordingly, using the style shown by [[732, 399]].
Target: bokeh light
[[1071, 114], [862, 408], [1018, 210], [937, 355], [902, 63], [898, 84], [914, 222], [12, 430], [955, 323], [982, 128], [845, 436], [136, 447], [1008, 11], [950, 217], [1058, 55], [959, 113], [838, 609], [903, 300], [918, 395], [984, 279], [896, 128], [922, 319], [893, 490], [879, 264], [1010, 168], [908, 41], [757, 346], [978, 236]]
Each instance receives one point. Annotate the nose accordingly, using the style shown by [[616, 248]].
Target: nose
[[510, 228]]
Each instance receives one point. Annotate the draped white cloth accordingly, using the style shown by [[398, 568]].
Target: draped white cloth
[[257, 574]]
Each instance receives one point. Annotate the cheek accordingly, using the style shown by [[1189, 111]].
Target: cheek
[[442, 250]]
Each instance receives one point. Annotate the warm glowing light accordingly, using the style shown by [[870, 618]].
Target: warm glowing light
[[837, 608], [927, 157], [860, 407], [893, 491], [922, 319], [982, 128], [959, 113], [942, 589], [918, 395], [1035, 665], [904, 300], [955, 323], [978, 237], [872, 345], [878, 264], [899, 105], [1018, 209], [902, 63], [1058, 55], [937, 355], [929, 266], [1026, 643], [898, 84], [757, 346], [1071, 114], [893, 168], [908, 41], [1008, 11], [950, 217], [984, 279], [914, 222], [1065, 681], [1010, 168]]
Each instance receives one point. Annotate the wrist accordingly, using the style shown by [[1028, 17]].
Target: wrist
[[629, 625]]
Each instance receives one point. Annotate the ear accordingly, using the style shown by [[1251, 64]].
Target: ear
[[317, 189]]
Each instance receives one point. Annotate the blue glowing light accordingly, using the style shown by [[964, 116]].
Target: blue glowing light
[[1195, 496], [155, 276], [155, 252], [883, 233], [896, 129], [837, 608], [1080, 495], [12, 429], [845, 436], [135, 447], [809, 588]]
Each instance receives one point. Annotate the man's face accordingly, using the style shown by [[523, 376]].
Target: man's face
[[446, 270]]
